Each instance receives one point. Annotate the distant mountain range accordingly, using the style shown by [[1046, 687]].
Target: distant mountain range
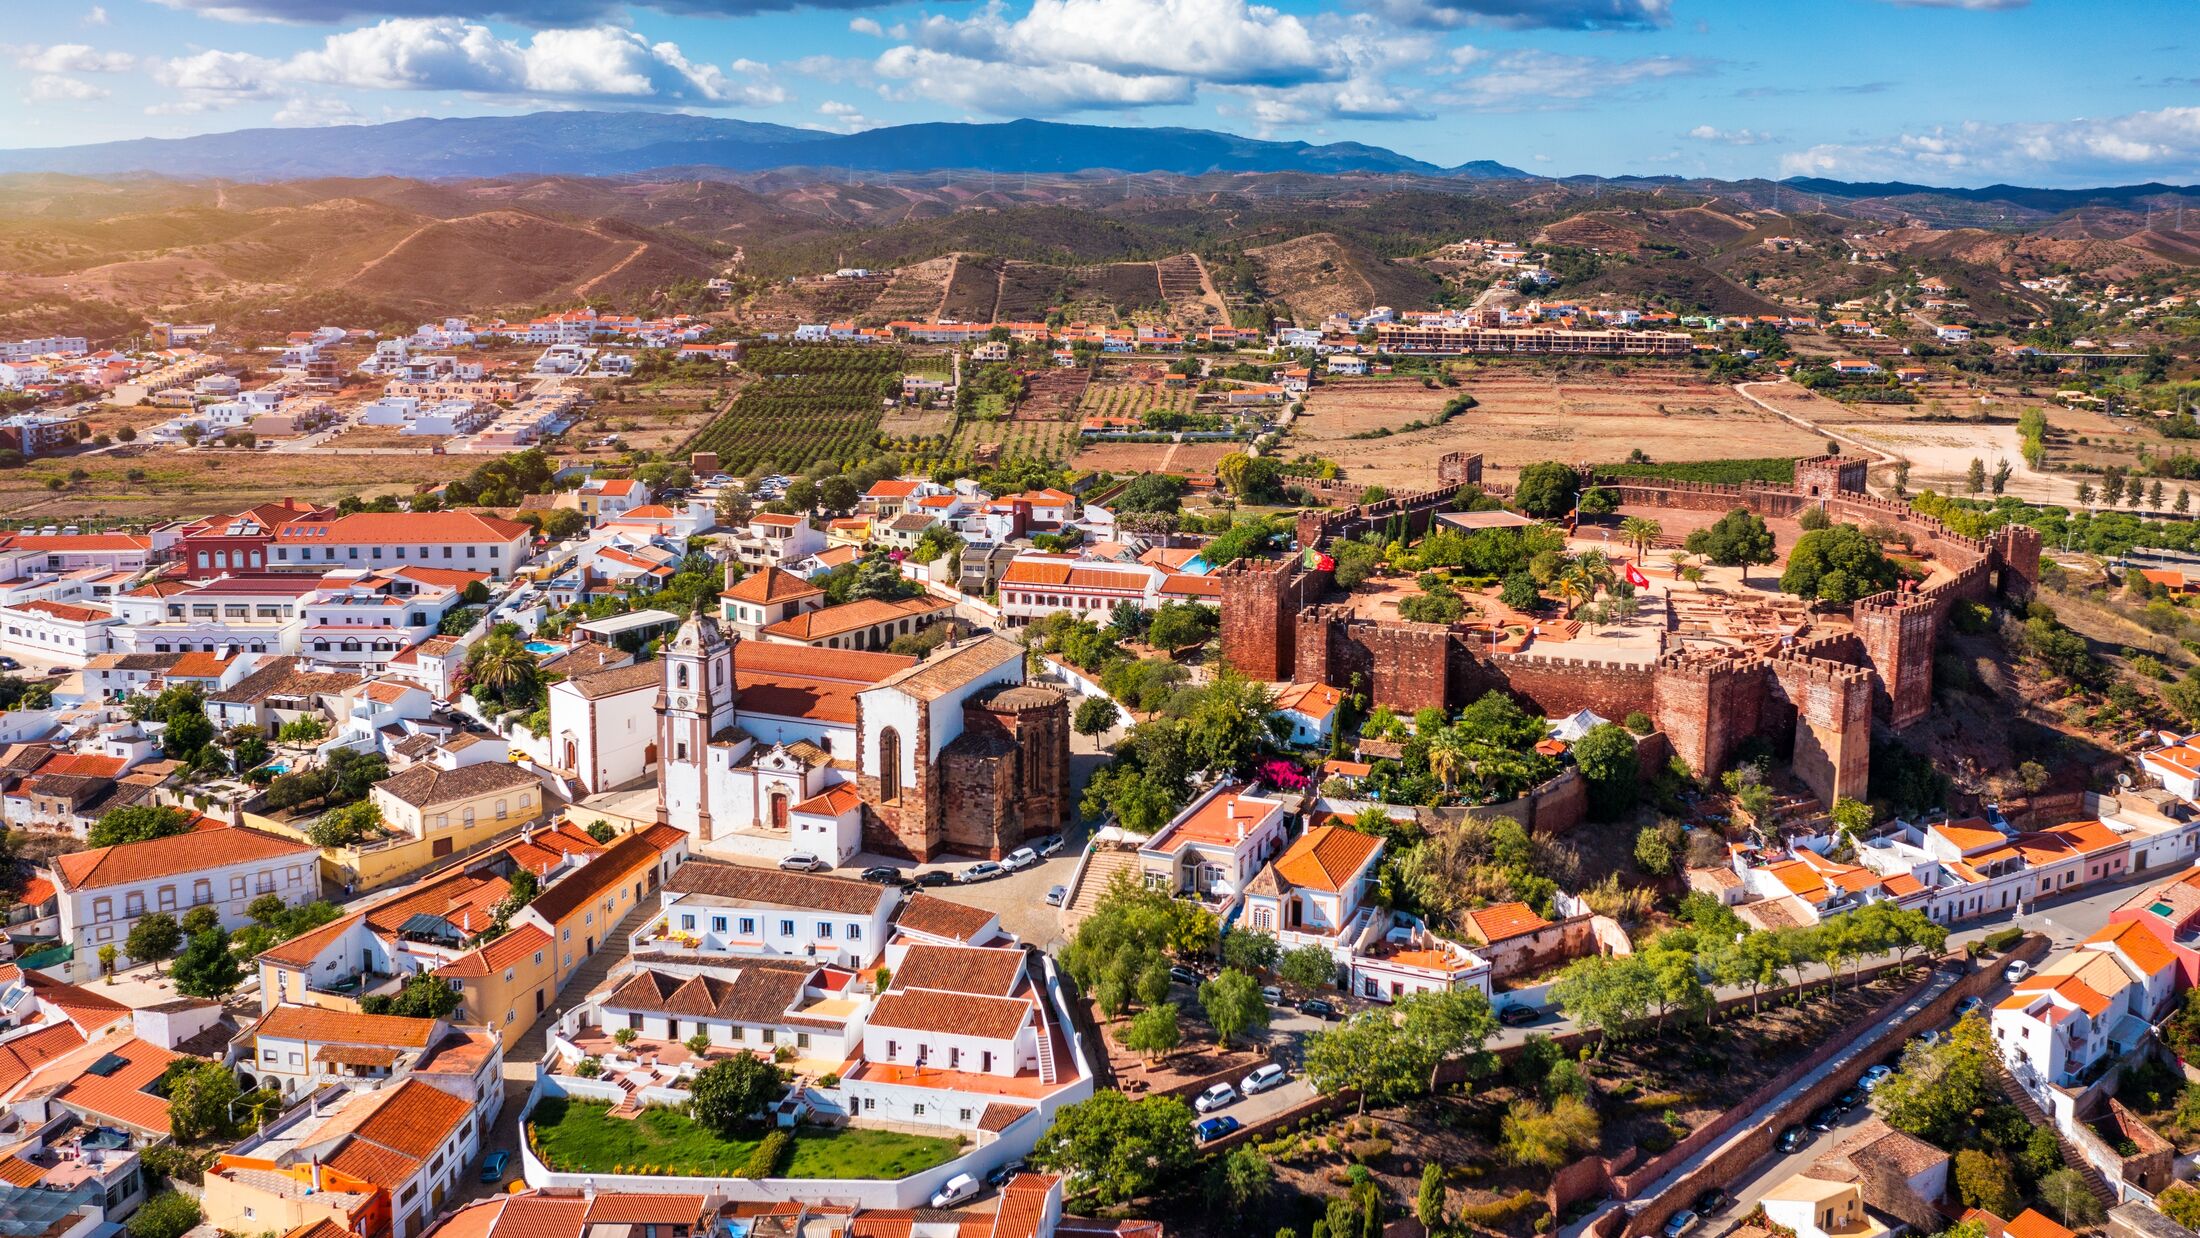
[[620, 143]]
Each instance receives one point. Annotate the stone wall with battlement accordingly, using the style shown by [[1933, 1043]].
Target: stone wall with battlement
[[1816, 698]]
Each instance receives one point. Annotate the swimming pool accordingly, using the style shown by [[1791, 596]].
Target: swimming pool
[[543, 647], [277, 767]]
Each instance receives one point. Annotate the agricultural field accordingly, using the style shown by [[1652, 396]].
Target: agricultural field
[[143, 483], [1132, 400], [807, 403], [1200, 457], [1537, 411], [1034, 440], [653, 417]]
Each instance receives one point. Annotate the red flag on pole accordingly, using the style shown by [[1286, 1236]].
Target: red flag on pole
[[1636, 578]]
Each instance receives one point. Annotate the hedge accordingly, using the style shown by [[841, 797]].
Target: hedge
[[765, 1160]]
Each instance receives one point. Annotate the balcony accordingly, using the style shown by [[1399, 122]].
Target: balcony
[[357, 985]]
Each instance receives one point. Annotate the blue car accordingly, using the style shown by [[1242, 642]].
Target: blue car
[[1211, 1129], [492, 1166]]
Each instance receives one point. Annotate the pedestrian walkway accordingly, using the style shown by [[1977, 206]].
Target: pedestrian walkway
[[1870, 1042]]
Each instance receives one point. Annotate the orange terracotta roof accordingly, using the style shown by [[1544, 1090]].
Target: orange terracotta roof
[[854, 616], [506, 951], [120, 1091], [199, 665], [302, 950], [320, 1025], [415, 1119], [1224, 818], [64, 611], [2073, 990], [832, 801], [1327, 857], [771, 585], [168, 857], [90, 1011], [1500, 921], [391, 528], [2138, 944], [26, 1053], [1315, 700], [2030, 1224]]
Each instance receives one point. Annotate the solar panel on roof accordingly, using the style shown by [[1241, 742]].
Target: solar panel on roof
[[107, 1065]]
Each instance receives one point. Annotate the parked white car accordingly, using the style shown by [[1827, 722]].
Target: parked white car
[[1220, 1096], [1020, 859], [1262, 1079], [955, 1190], [2017, 970]]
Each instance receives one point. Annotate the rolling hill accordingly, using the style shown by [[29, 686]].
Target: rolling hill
[[616, 143]]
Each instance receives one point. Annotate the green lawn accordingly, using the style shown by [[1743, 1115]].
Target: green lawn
[[582, 1137]]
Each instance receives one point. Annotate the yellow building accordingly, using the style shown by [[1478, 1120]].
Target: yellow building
[[437, 810], [580, 914]]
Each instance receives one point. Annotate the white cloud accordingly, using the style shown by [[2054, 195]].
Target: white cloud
[[588, 64], [306, 111], [71, 58], [54, 88], [842, 117], [95, 16], [1528, 14], [1529, 80], [1730, 137], [865, 25], [1014, 89], [1073, 55], [2163, 144], [537, 14]]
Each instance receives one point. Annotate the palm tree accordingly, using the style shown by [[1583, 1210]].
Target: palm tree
[[1572, 589], [500, 661], [1447, 755], [1640, 531]]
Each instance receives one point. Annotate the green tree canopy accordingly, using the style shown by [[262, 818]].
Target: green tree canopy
[[1546, 488], [1737, 539], [729, 1093], [1233, 1004], [139, 823], [154, 937], [1119, 1149], [207, 967], [1838, 566], [1606, 759]]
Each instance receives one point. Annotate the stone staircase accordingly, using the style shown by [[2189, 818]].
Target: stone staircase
[[628, 1106], [592, 972], [2038, 1117], [1099, 872]]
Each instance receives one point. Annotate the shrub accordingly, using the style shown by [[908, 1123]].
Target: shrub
[[1501, 1213], [1370, 1151], [2003, 939], [588, 1068], [166, 1215], [764, 1162], [1639, 722]]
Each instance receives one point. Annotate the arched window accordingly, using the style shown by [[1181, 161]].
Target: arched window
[[889, 764], [350, 645], [681, 675], [320, 646]]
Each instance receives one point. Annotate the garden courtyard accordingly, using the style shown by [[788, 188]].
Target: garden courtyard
[[581, 1136]]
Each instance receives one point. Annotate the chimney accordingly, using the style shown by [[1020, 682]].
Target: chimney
[[729, 571], [236, 812], [317, 1173]]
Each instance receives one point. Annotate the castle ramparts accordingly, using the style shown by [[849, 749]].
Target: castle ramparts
[[1816, 697]]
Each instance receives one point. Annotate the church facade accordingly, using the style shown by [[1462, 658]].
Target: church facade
[[764, 754]]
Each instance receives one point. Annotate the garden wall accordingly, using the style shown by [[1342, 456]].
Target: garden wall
[[1554, 807], [1648, 1216]]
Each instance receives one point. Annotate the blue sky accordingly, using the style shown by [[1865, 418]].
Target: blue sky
[[1954, 92]]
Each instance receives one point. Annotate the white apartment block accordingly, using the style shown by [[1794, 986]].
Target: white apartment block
[[103, 891], [460, 540]]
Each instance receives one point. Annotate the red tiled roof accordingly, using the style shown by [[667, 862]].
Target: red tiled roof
[[321, 1026], [1326, 857], [391, 528], [771, 585], [168, 857], [1502, 920]]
